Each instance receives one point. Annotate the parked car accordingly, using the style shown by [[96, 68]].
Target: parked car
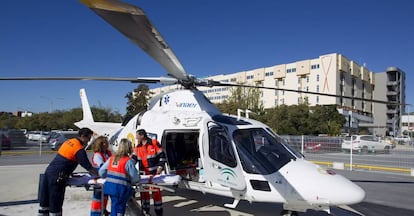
[[5, 142], [58, 138], [401, 140], [365, 144], [390, 140], [38, 136], [322, 144]]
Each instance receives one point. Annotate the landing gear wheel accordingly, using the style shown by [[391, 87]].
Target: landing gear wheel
[[288, 213]]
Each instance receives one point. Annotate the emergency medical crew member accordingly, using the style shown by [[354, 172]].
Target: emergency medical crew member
[[100, 156], [70, 154], [151, 159], [120, 173]]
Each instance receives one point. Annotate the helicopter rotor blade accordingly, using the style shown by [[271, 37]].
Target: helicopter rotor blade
[[216, 83], [134, 24], [162, 80]]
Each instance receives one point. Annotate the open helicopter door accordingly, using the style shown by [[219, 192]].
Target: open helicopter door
[[220, 163]]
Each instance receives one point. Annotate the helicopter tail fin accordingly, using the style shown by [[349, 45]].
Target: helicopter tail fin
[[86, 110], [99, 128], [87, 113]]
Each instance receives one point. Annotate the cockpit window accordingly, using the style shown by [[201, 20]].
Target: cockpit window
[[260, 152], [285, 143]]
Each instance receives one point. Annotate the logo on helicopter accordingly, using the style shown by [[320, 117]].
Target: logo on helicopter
[[166, 101], [228, 176], [186, 105]]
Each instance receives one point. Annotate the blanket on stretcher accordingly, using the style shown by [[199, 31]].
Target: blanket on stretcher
[[79, 179]]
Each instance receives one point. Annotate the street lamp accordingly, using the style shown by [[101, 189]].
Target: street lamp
[[409, 126]]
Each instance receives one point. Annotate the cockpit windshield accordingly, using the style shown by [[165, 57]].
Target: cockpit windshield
[[260, 152]]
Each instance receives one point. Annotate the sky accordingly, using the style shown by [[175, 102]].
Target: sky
[[209, 37]]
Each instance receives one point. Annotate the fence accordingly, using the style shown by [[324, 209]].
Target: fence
[[329, 152]]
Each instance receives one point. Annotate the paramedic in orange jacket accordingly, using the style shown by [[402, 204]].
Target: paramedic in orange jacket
[[151, 159], [52, 188], [100, 156]]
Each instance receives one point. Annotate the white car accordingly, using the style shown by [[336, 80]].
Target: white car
[[365, 144], [38, 136], [402, 140]]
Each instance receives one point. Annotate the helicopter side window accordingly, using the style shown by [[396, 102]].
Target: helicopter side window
[[220, 148]]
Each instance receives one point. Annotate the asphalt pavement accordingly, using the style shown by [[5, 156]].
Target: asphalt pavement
[[387, 194]]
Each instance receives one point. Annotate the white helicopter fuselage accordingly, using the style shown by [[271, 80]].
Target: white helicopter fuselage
[[200, 145]]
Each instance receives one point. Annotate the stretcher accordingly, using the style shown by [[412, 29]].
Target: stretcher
[[85, 180], [162, 181]]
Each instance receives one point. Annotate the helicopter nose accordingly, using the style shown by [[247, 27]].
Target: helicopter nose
[[341, 191], [321, 186]]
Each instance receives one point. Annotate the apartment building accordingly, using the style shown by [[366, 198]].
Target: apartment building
[[330, 74], [390, 87]]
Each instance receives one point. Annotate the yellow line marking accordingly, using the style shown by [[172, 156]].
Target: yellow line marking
[[369, 167]]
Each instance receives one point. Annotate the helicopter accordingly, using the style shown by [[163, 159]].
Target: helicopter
[[233, 156], [215, 153]]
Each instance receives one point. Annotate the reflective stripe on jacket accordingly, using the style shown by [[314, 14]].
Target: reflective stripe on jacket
[[150, 156], [117, 173], [104, 156]]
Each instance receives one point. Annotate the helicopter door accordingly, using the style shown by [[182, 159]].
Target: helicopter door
[[220, 163]]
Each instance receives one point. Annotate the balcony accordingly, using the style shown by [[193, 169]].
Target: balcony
[[392, 93], [392, 111], [392, 83]]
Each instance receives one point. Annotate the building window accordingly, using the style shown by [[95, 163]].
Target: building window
[[290, 70], [317, 88], [317, 99], [317, 77], [307, 78], [314, 66], [270, 73]]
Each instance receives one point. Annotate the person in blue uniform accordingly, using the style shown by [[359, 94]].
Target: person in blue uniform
[[52, 188], [120, 173]]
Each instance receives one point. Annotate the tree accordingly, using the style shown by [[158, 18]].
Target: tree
[[57, 120], [242, 98], [326, 120], [138, 100]]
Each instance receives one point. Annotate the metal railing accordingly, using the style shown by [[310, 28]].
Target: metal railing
[[328, 151]]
